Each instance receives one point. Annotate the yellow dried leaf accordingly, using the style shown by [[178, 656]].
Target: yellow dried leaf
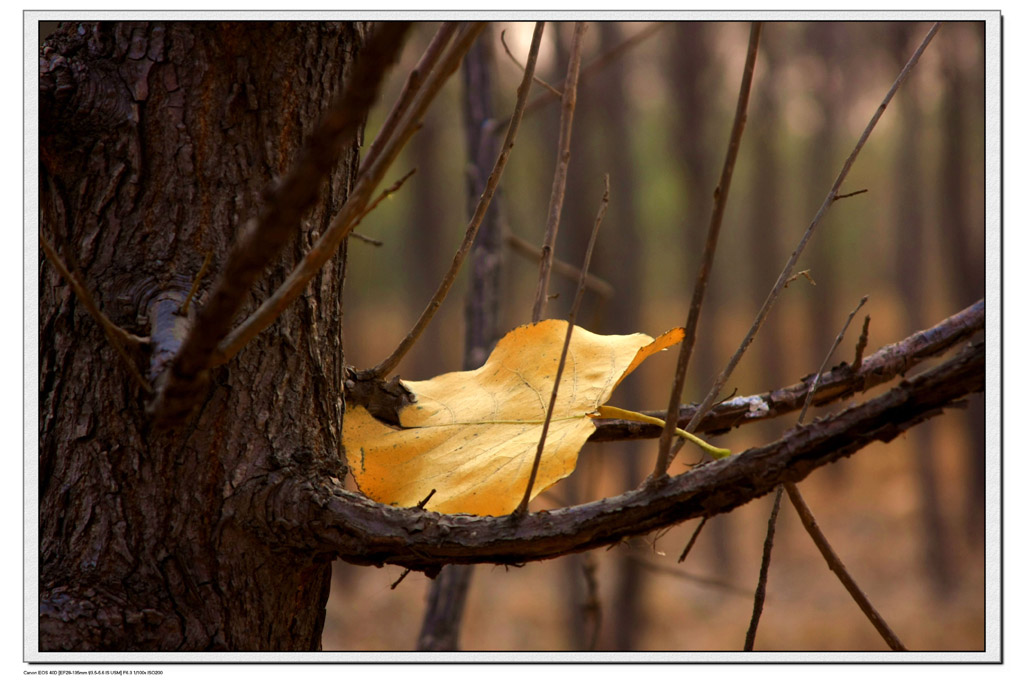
[[473, 435]]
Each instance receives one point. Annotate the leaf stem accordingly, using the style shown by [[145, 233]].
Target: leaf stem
[[613, 413]]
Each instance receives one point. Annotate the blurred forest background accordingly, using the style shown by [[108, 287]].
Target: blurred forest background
[[655, 113]]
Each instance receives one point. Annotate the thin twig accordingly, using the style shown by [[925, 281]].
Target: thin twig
[[597, 285], [721, 196], [848, 194], [427, 499], [689, 576], [692, 541], [413, 83], [561, 170], [759, 596], [400, 579], [599, 62], [836, 565], [806, 273], [195, 282], [523, 505], [369, 177], [828, 356], [118, 337], [723, 377], [762, 581], [592, 605], [537, 79], [387, 192], [808, 519], [363, 238], [862, 343], [386, 366], [811, 525]]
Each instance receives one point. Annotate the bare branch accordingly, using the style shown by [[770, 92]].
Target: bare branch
[[388, 365], [806, 273], [762, 581], [712, 395], [561, 170], [363, 238], [599, 62], [836, 565], [692, 541], [862, 342], [840, 383], [848, 194], [597, 285], [385, 193], [412, 86], [540, 81], [828, 356], [721, 196], [195, 283], [812, 527]]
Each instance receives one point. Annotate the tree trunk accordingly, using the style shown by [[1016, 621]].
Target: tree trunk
[[157, 140]]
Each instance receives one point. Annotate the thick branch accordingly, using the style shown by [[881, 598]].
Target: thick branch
[[320, 516], [841, 382]]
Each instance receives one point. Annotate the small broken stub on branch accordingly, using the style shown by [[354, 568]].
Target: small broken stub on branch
[[383, 399], [174, 401]]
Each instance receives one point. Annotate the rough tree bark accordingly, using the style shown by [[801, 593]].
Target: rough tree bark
[[156, 142]]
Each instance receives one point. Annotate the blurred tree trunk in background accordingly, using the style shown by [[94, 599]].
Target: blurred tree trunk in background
[[427, 250], [827, 43], [619, 260], [911, 247], [583, 190], [961, 220], [766, 253], [448, 592], [693, 77]]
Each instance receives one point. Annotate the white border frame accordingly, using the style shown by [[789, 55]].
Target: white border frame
[[993, 368]]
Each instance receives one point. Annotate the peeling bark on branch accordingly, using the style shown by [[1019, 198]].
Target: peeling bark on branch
[[841, 382]]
